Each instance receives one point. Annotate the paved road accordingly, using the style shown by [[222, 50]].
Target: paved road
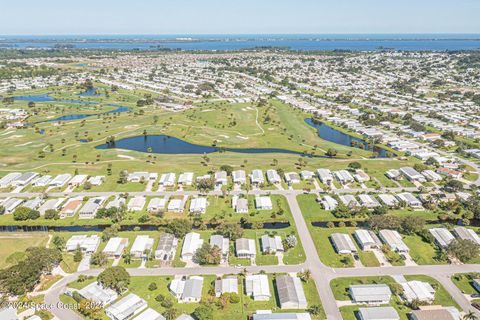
[[321, 274]]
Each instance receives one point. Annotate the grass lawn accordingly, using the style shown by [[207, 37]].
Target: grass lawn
[[67, 264], [13, 246], [422, 252], [465, 282], [442, 297]]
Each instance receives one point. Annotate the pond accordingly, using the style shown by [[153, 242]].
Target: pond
[[163, 144], [92, 92], [333, 135]]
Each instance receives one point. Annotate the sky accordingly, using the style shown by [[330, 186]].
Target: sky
[[39, 17]]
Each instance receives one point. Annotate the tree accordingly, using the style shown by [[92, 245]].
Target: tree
[[384, 222], [123, 176], [463, 249], [78, 255], [203, 312], [170, 314], [396, 288], [52, 214], [152, 286], [208, 255], [231, 231], [110, 232], [354, 165], [205, 185], [227, 168], [179, 227], [412, 224], [2, 210], [99, 259], [454, 185], [58, 242], [116, 278], [22, 213], [331, 153], [470, 316], [315, 310]]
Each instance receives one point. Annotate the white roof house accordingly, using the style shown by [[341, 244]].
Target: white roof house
[[136, 203], [221, 178], [187, 290], [442, 236], [60, 180], [239, 177], [96, 180], [126, 308], [97, 293], [222, 243], [263, 203], [226, 285], [24, 179], [33, 204], [349, 200], [149, 314], [290, 292], [138, 176], [343, 176], [117, 202], [307, 175], [368, 201], [431, 175], [167, 179], [342, 243], [90, 208], [42, 181], [329, 203], [466, 234], [50, 204], [115, 246], [198, 205], [273, 176], [325, 176], [141, 244], [175, 205], [191, 244], [367, 239], [412, 174], [271, 244], [245, 248], [388, 199], [257, 177], [418, 290], [292, 178], [8, 313], [11, 204], [78, 180], [410, 199], [257, 286], [269, 315], [394, 240], [185, 178], [88, 244], [370, 293], [378, 313], [9, 178], [156, 204], [240, 204]]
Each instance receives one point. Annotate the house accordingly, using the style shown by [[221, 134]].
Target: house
[[257, 286], [368, 201], [273, 176], [87, 244], [96, 180], [466, 234], [325, 176], [175, 205], [412, 174], [360, 176], [292, 178], [329, 203], [388, 200], [185, 179], [271, 244], [245, 248], [60, 180], [221, 178], [33, 204], [226, 285], [256, 177], [50, 204], [89, 210], [290, 292], [43, 181], [418, 290], [167, 179], [198, 205], [394, 174], [97, 293], [476, 284], [442, 236], [454, 174], [263, 203], [149, 314], [117, 203], [378, 313], [263, 315], [136, 203], [71, 207], [24, 179], [115, 247], [307, 175], [11, 204], [8, 313], [367, 239], [191, 244], [410, 200], [343, 176], [370, 293], [431, 175], [166, 247], [78, 180], [436, 313], [342, 243], [349, 200], [187, 290], [140, 246], [240, 204], [156, 204], [394, 240], [126, 308], [239, 177], [9, 178], [222, 243], [138, 176]]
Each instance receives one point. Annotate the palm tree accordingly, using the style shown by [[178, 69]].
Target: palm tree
[[470, 316]]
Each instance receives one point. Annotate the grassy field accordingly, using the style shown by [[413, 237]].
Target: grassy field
[[13, 246], [442, 297], [423, 252], [465, 282]]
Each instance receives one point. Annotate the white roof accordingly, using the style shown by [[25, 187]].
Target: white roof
[[149, 314], [191, 243], [127, 306], [257, 285], [142, 243]]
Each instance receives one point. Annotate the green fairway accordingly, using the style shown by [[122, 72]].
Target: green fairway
[[13, 246]]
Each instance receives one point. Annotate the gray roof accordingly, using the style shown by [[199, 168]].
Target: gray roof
[[343, 242], [290, 290], [282, 316], [193, 288], [379, 313], [370, 292], [166, 242]]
